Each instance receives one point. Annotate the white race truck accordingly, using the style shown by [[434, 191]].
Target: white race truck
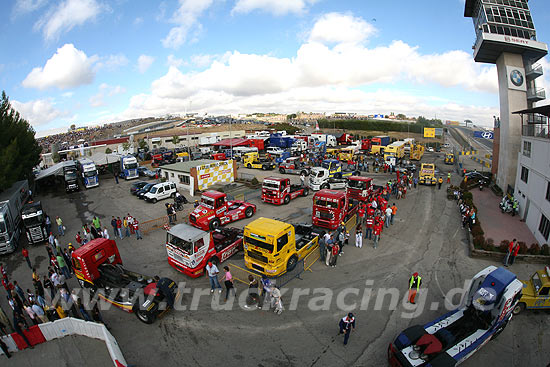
[[319, 178]]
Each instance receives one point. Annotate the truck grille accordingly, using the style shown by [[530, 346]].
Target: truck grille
[[92, 181], [36, 233], [257, 256], [325, 215]]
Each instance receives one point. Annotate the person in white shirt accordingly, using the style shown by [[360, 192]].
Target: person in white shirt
[[388, 216], [105, 233], [212, 271]]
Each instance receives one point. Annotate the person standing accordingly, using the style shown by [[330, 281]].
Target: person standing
[[48, 224], [49, 284], [334, 254], [105, 233], [329, 245], [60, 227], [126, 226], [62, 265], [515, 252], [376, 230], [511, 245], [323, 248], [393, 212], [358, 236], [414, 286], [135, 226], [388, 213], [78, 238], [228, 282], [303, 180], [439, 182], [449, 178], [212, 271], [267, 288], [18, 323], [116, 176], [97, 224], [347, 324], [113, 224], [118, 228], [25, 254]]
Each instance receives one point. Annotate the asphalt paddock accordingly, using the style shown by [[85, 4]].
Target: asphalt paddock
[[426, 237]]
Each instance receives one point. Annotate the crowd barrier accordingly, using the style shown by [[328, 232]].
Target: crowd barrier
[[241, 274], [64, 327], [312, 258], [163, 222]]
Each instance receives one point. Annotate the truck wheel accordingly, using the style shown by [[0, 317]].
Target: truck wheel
[[249, 212], [282, 170], [291, 264], [304, 173], [324, 186], [215, 223], [357, 173], [248, 165], [306, 191], [520, 307], [286, 200], [264, 168], [144, 316]]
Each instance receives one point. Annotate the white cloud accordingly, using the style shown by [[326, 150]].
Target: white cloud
[[112, 62], [276, 7], [138, 21], [67, 68], [105, 89], [186, 20], [67, 94], [330, 72], [67, 15], [27, 6], [340, 28], [144, 63], [38, 112], [172, 60]]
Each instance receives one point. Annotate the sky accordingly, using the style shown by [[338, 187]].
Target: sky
[[89, 62]]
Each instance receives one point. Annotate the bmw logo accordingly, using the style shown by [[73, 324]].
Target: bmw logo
[[516, 77]]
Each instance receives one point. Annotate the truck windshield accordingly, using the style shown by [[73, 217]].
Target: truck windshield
[[325, 165], [90, 173], [356, 184], [33, 221], [536, 282], [130, 165], [271, 185], [208, 201], [71, 175], [325, 203], [256, 242], [180, 243]]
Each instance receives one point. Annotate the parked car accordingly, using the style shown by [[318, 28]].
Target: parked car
[[136, 186], [144, 190], [430, 149], [146, 172], [161, 191]]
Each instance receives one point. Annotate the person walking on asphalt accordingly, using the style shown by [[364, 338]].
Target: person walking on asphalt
[[414, 286], [60, 227], [369, 222], [17, 324], [376, 230], [25, 254], [334, 254], [358, 236], [393, 212], [449, 177], [212, 271], [347, 324], [511, 245], [515, 251], [388, 216], [439, 182]]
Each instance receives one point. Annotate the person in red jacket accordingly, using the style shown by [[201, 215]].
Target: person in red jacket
[[335, 250], [515, 251], [26, 256], [369, 224], [511, 245], [376, 233], [361, 214]]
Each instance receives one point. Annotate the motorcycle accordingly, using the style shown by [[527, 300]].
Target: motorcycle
[[505, 205], [179, 201]]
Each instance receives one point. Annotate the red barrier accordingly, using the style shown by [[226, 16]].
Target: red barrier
[[34, 335]]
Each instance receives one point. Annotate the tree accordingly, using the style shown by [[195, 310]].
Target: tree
[[19, 150], [400, 116], [108, 151], [125, 146], [73, 127], [291, 116], [142, 144], [175, 139]]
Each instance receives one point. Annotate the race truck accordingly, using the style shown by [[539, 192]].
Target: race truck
[[426, 175], [336, 169], [361, 188], [214, 211], [128, 167], [319, 178], [190, 249], [449, 158], [452, 338], [277, 190], [70, 176], [536, 292], [98, 267], [272, 247], [34, 222], [88, 172], [294, 165], [253, 160], [330, 208]]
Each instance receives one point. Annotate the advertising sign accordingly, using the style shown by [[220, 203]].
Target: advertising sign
[[429, 132], [516, 78], [483, 134]]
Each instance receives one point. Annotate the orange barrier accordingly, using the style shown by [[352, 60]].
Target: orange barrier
[[241, 274]]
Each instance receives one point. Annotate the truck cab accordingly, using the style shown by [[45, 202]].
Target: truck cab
[[361, 188], [70, 176], [189, 249], [252, 160], [426, 175], [331, 207], [11, 203], [274, 150], [214, 211], [128, 166], [336, 169], [319, 178], [449, 158], [34, 222], [416, 153], [294, 165], [277, 190], [536, 292], [88, 172], [98, 267], [272, 247]]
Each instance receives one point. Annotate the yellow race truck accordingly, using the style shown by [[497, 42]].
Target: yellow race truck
[[449, 158], [426, 175], [272, 247], [416, 153], [536, 292], [253, 160]]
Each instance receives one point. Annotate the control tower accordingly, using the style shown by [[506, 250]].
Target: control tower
[[506, 36]]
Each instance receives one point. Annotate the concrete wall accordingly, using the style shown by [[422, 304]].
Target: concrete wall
[[532, 195], [510, 125]]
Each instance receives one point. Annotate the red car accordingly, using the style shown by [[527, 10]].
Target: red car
[[215, 211]]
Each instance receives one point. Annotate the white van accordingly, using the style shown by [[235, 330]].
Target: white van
[[161, 191]]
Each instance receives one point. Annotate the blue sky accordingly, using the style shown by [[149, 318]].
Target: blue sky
[[93, 61]]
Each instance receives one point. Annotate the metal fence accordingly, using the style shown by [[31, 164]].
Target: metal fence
[[241, 274], [162, 222], [312, 258]]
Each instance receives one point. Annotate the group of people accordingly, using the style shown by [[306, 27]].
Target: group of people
[[122, 227], [467, 212]]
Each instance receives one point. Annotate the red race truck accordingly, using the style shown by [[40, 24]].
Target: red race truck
[[331, 208], [190, 249], [366, 145], [277, 190], [98, 266], [361, 188], [214, 211]]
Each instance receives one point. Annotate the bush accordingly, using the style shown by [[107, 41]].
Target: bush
[[468, 196], [488, 247], [545, 250], [479, 242], [254, 181], [534, 249], [503, 247], [477, 230], [522, 248]]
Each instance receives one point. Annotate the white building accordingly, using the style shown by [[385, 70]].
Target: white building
[[532, 188]]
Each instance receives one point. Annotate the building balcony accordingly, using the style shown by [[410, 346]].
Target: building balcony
[[536, 94], [537, 126], [533, 71]]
